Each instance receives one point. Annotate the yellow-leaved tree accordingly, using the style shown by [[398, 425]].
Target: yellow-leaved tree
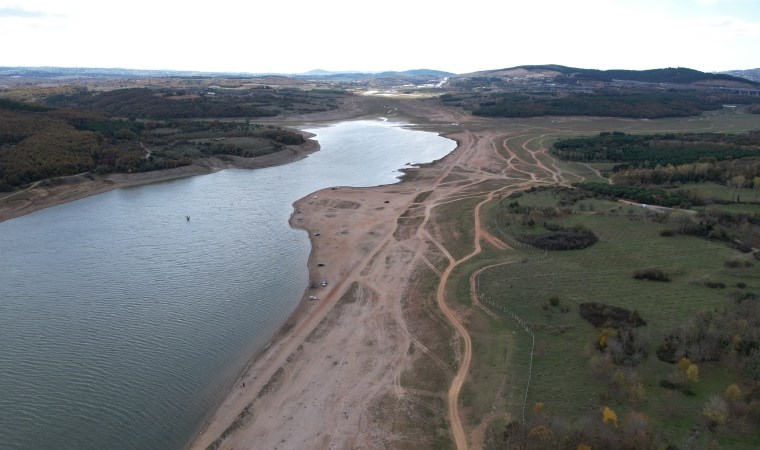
[[692, 373], [733, 393], [609, 417]]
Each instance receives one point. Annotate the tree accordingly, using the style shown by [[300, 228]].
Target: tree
[[736, 183], [684, 364], [636, 430], [541, 433], [692, 373], [609, 417], [716, 411], [733, 393]]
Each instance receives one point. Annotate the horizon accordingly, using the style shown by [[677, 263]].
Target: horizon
[[326, 72], [706, 35]]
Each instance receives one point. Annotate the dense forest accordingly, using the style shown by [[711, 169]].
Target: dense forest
[[644, 104], [146, 103], [39, 142], [639, 194], [151, 104], [662, 149], [736, 173]]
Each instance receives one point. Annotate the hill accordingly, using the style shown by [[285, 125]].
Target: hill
[[749, 74], [554, 90], [564, 74]]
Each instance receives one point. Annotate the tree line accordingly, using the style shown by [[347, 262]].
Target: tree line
[[159, 104], [640, 194], [736, 173], [662, 149], [609, 103]]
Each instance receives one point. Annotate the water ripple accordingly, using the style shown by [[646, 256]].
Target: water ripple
[[117, 315]]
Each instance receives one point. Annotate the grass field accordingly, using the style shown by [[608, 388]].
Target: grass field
[[454, 226], [714, 191], [566, 373], [570, 376]]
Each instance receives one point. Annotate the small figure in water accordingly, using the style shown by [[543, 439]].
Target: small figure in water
[[188, 218]]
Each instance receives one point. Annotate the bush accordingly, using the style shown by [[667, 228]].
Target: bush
[[651, 274], [561, 239], [601, 314], [744, 247], [715, 284], [285, 137], [732, 264], [739, 297], [625, 347]]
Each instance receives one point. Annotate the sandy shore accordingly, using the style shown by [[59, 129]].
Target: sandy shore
[[326, 377]]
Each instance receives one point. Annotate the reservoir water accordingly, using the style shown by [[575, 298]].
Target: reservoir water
[[122, 324]]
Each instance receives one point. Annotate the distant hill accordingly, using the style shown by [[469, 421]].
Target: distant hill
[[425, 73], [554, 90], [416, 73], [94, 72], [749, 74], [74, 73], [671, 75]]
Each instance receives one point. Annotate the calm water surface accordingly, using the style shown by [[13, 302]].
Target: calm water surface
[[122, 325]]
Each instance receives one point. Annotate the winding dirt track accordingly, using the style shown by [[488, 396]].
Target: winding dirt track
[[460, 436], [538, 173]]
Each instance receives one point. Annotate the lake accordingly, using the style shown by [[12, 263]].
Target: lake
[[123, 325]]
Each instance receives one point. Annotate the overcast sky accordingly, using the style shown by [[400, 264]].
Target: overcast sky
[[298, 35]]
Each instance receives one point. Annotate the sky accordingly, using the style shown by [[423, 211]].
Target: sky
[[293, 36]]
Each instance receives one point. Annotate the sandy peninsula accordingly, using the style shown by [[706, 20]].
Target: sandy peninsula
[[332, 377]]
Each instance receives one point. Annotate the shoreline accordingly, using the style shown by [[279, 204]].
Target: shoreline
[[60, 190], [263, 370], [260, 374], [77, 187]]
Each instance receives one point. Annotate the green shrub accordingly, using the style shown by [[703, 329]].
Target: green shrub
[[651, 274]]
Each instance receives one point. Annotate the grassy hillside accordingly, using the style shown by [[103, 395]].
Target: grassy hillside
[[579, 368]]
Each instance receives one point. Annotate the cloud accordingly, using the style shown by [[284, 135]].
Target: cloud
[[715, 2], [15, 11], [729, 26]]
